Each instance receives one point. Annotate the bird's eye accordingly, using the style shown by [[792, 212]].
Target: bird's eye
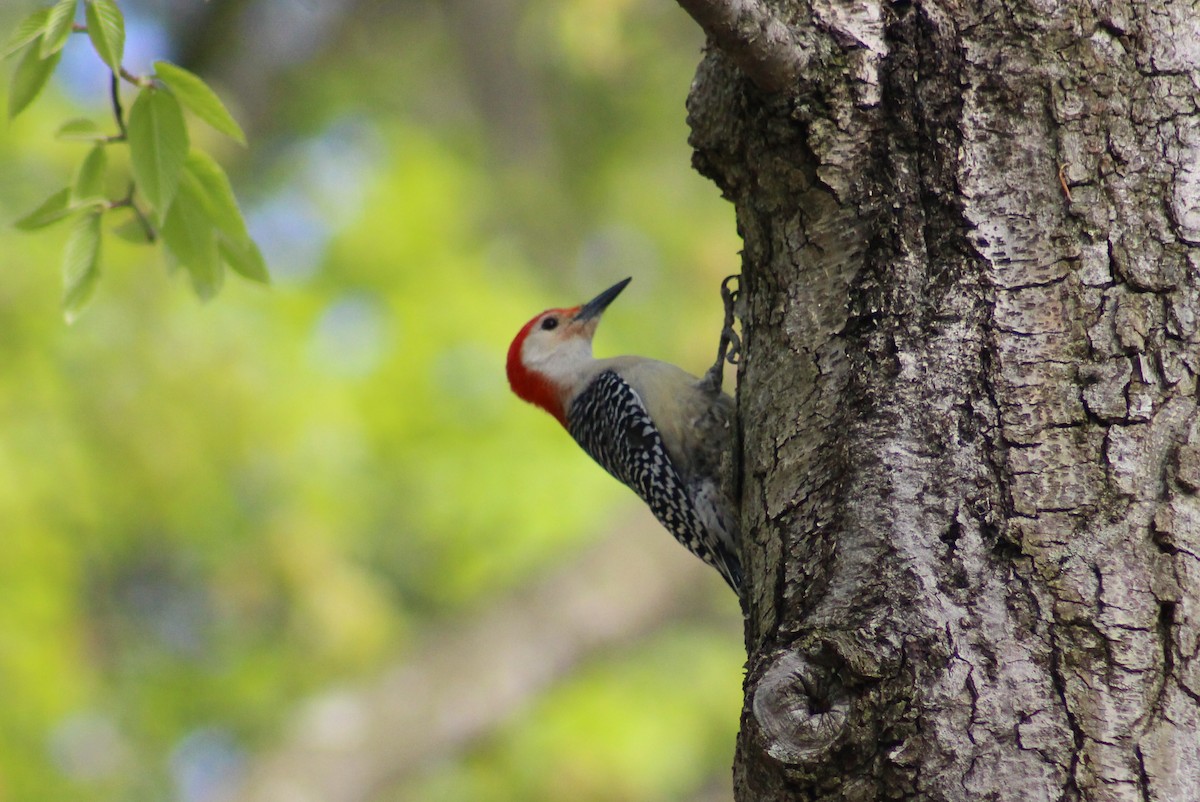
[[550, 323]]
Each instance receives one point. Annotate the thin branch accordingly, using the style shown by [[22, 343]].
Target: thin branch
[[151, 234], [128, 202], [758, 41], [118, 112]]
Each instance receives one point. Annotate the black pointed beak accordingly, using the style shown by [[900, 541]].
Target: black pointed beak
[[594, 307]]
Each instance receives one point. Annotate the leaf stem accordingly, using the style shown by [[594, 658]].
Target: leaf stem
[[134, 79], [128, 202], [151, 234], [126, 74]]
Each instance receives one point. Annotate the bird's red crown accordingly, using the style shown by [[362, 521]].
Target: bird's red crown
[[528, 384]]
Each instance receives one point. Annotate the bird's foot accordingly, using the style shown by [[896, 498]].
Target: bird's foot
[[730, 348]]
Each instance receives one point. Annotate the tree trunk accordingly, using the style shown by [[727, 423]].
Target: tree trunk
[[968, 402]]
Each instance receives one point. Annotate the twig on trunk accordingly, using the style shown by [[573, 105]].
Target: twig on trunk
[[752, 35]]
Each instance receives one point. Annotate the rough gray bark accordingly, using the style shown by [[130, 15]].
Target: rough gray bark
[[970, 441]]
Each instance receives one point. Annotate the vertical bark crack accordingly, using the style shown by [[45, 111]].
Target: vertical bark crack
[[1143, 777], [1071, 788]]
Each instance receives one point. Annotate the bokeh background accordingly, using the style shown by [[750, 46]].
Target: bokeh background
[[300, 542]]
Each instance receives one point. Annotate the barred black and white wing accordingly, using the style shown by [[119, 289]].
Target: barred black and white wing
[[610, 422]]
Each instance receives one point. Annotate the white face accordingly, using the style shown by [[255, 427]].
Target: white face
[[559, 348]]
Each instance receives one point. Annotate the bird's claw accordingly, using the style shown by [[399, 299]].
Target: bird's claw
[[730, 348]]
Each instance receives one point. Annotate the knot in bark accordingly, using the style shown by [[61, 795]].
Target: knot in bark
[[800, 709]]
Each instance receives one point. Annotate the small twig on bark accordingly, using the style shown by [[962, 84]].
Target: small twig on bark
[[758, 42], [1062, 180]]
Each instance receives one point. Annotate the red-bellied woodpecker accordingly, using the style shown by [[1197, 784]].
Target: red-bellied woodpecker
[[658, 429]]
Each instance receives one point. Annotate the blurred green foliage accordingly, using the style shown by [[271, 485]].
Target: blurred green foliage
[[209, 512], [618, 730], [171, 193]]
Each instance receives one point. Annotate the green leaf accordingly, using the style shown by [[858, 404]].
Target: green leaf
[[53, 209], [133, 231], [106, 29], [29, 78], [158, 145], [196, 95], [27, 31], [80, 129], [89, 181], [81, 265], [236, 248], [191, 237], [216, 194], [58, 27], [245, 258]]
